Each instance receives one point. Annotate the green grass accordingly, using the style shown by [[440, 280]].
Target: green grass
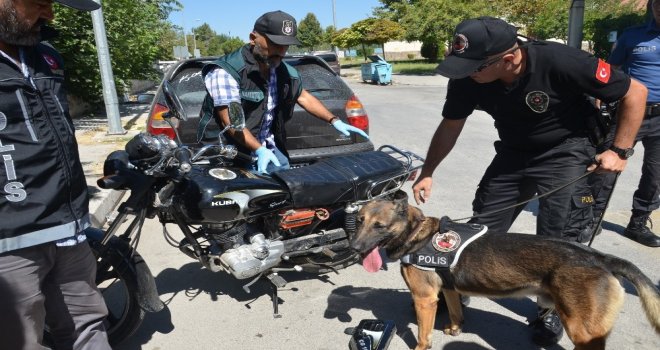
[[412, 67]]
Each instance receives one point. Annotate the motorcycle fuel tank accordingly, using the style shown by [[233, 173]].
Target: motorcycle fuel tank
[[215, 195]]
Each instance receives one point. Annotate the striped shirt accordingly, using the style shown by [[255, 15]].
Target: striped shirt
[[224, 89]]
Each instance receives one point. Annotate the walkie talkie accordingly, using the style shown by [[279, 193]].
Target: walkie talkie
[[371, 335]]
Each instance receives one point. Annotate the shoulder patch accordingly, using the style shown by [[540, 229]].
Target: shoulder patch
[[52, 63], [603, 72]]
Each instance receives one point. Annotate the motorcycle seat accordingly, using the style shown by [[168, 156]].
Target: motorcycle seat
[[338, 179]]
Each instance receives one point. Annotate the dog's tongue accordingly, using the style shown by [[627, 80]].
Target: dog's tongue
[[372, 261]]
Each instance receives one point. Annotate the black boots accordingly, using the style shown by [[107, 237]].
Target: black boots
[[639, 232], [547, 329]]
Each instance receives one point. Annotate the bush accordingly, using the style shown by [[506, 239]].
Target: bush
[[431, 51], [603, 27]]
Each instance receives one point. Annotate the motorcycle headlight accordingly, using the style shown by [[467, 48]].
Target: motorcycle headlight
[[143, 146]]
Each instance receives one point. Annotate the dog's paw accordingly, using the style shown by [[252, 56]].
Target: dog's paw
[[452, 330]]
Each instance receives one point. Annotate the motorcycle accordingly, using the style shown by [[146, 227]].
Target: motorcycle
[[247, 224]]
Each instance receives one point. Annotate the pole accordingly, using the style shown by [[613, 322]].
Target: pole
[[185, 39], [194, 43], [334, 23], [576, 24], [107, 79]]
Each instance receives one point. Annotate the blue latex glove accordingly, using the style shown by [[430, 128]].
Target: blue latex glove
[[347, 129], [265, 156]]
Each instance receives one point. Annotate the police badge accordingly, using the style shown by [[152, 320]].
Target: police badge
[[446, 242], [287, 27], [537, 101]]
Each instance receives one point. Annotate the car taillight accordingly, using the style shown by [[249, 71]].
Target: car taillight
[[157, 125], [356, 114]]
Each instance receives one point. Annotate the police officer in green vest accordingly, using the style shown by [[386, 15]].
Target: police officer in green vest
[[267, 89]]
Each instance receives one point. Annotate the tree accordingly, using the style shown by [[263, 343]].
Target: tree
[[310, 33], [328, 34], [368, 31], [551, 21], [232, 45], [133, 30], [171, 37], [382, 31], [346, 37], [598, 24], [433, 21], [203, 35]]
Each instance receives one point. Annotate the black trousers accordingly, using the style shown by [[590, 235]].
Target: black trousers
[[647, 196], [515, 176]]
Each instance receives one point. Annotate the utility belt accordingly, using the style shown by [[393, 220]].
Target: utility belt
[[652, 109], [601, 123]]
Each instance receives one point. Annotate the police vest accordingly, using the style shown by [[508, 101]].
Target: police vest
[[444, 248], [253, 90]]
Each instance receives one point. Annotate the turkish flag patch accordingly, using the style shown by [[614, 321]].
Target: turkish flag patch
[[603, 72]]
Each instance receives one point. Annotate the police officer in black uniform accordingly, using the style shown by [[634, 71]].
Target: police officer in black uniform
[[535, 91]]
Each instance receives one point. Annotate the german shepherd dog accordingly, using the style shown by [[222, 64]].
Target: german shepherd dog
[[580, 282]]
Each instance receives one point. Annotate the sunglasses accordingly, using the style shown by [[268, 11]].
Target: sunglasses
[[495, 59]]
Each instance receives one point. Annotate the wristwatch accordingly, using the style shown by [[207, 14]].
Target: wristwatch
[[624, 153]]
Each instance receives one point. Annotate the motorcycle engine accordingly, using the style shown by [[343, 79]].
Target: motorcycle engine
[[251, 259]]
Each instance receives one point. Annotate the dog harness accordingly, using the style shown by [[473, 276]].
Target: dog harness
[[444, 248]]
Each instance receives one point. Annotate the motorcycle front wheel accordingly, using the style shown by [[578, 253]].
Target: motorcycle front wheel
[[117, 282]]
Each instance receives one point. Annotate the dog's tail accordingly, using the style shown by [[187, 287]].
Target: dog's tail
[[647, 291]]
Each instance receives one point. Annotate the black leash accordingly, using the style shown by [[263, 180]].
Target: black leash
[[540, 196], [602, 215]]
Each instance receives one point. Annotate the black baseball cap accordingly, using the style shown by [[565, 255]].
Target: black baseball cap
[[280, 27], [84, 5], [475, 40]]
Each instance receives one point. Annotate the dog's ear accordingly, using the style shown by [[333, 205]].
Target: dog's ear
[[400, 201], [415, 216]]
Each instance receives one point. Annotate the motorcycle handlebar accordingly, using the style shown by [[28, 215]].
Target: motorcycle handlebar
[[245, 157], [183, 156]]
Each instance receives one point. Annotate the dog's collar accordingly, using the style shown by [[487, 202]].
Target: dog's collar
[[395, 248]]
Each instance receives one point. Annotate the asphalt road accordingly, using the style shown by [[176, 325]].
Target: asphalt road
[[207, 310]]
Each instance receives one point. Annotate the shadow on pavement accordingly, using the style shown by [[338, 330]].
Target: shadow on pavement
[[396, 305], [192, 281], [154, 322]]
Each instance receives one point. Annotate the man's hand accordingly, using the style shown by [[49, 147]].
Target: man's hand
[[347, 129], [422, 189], [265, 156], [608, 161]]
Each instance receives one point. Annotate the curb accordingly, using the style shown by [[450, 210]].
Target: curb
[[101, 213], [94, 145]]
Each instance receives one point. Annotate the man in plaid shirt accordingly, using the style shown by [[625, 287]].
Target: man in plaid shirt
[[267, 89]]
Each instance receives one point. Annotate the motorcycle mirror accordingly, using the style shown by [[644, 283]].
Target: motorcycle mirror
[[236, 116], [173, 103]]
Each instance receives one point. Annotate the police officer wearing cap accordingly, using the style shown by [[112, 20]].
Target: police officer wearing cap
[[535, 91], [637, 51], [267, 89], [47, 269]]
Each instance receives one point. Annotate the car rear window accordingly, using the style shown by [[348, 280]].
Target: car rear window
[[190, 88], [322, 83], [328, 57], [316, 79]]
